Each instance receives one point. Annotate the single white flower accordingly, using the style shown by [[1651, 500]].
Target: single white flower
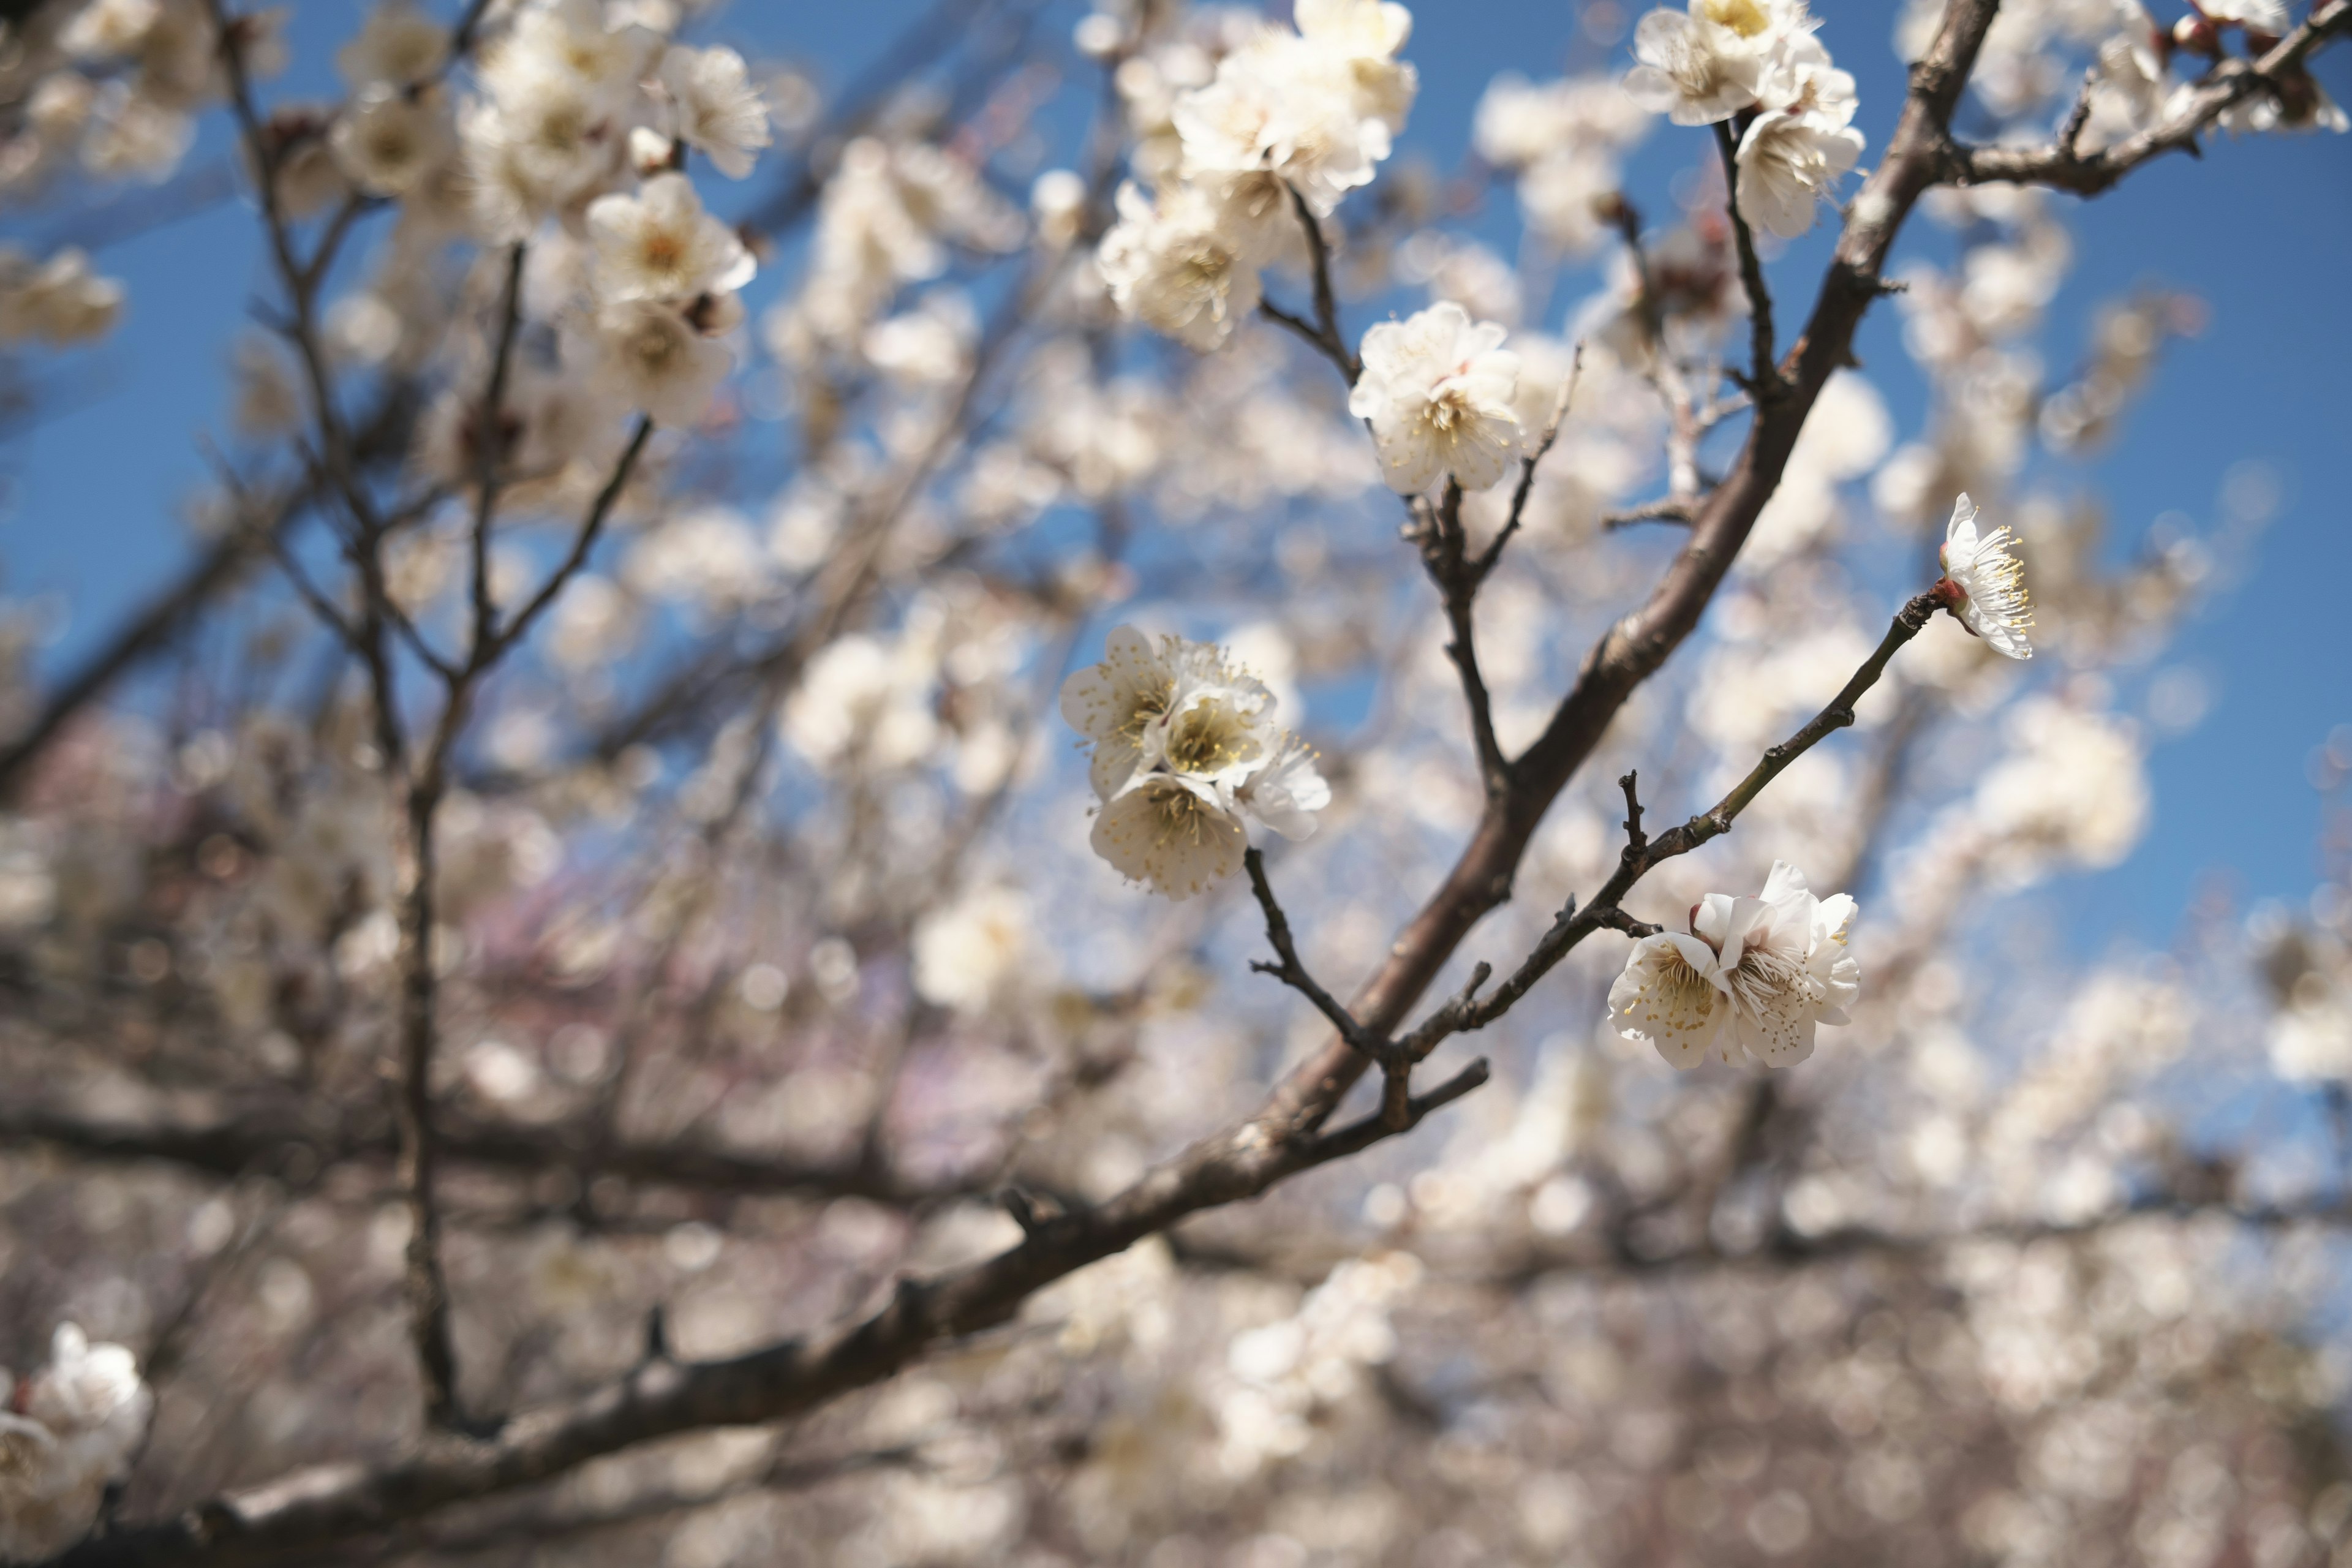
[[656, 359], [398, 46], [716, 109], [1174, 265], [387, 142], [1285, 793], [1695, 71], [2260, 15], [1366, 35], [1672, 996], [64, 1435], [109, 30], [1987, 583], [966, 954], [568, 38], [661, 244], [1792, 153], [546, 142], [2128, 90], [1437, 388], [1177, 832], [88, 1390]]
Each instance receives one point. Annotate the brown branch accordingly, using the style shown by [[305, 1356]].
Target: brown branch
[[1763, 380], [1666, 509], [1323, 334], [1493, 554], [490, 451], [1437, 531], [315, 1510], [584, 545], [286, 1140], [2060, 163], [1642, 852]]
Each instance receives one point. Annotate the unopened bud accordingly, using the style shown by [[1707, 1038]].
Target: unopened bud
[[650, 151], [2195, 34]]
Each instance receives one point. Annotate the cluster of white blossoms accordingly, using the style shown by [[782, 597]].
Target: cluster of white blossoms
[[1186, 757], [573, 111], [66, 1433], [1310, 112], [1984, 583], [58, 302], [1439, 391], [1726, 60], [1751, 974]]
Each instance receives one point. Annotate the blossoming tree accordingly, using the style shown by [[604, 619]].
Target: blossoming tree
[[546, 1018]]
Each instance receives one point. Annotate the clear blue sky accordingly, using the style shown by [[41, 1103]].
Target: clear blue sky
[[2262, 230]]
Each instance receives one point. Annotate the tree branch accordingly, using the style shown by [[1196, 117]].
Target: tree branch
[[1637, 646], [1763, 379], [2231, 82], [314, 1509]]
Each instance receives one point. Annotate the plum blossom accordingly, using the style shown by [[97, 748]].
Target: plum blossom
[[399, 44], [1186, 755], [388, 142], [716, 109], [1316, 108], [654, 357], [1984, 583], [661, 244], [1706, 65], [1177, 266], [1753, 975], [1438, 389], [1793, 151], [65, 1434], [967, 953]]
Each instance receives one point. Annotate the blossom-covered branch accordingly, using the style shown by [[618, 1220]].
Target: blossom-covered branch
[[2272, 87]]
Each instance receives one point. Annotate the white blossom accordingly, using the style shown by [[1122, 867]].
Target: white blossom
[[716, 109], [1438, 389], [387, 141], [1987, 581], [1174, 264], [1316, 108], [64, 1435], [967, 953], [656, 359], [1672, 996], [1186, 754], [399, 44], [1287, 791], [661, 244], [1693, 70], [572, 39], [1793, 151], [1174, 832], [1754, 976], [61, 302]]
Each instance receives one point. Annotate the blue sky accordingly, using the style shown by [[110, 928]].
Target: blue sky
[[2261, 229]]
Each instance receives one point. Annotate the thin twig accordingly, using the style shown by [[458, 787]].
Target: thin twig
[[1764, 379], [1493, 550]]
